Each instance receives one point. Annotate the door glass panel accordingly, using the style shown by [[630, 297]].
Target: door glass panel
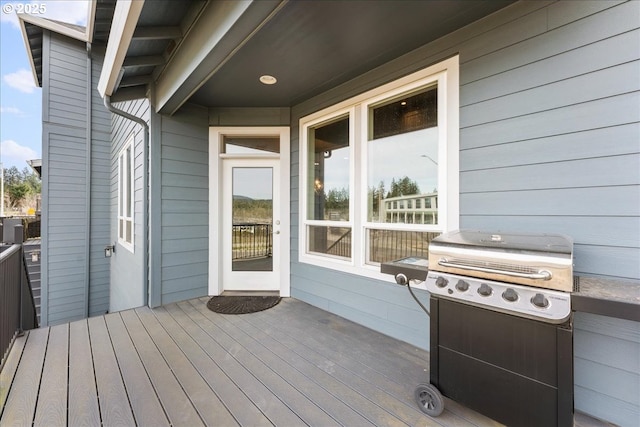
[[250, 144], [252, 213]]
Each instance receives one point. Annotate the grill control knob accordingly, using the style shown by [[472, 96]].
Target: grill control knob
[[540, 300], [401, 279], [462, 286], [485, 290], [441, 282], [510, 295]]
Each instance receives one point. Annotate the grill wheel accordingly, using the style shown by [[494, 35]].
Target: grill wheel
[[429, 399]]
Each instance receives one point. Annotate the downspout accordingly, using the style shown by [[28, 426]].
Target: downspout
[[145, 188], [88, 183]]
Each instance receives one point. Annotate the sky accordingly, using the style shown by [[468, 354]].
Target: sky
[[20, 99]]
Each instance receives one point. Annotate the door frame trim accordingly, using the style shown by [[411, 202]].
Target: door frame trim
[[216, 158]]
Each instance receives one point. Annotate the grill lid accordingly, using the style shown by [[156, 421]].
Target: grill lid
[[541, 260], [543, 243]]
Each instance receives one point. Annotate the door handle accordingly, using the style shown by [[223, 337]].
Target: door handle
[[276, 232]]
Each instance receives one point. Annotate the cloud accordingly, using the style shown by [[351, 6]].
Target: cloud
[[71, 11], [21, 80], [10, 17], [16, 154], [12, 110]]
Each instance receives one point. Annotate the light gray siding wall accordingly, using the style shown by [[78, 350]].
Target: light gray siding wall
[[128, 288], [549, 141], [606, 369], [75, 225], [99, 273], [184, 222], [64, 192]]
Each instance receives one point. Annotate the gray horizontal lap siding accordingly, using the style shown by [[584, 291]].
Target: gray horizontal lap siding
[[549, 131], [64, 249], [100, 198], [126, 268], [66, 175], [184, 223]]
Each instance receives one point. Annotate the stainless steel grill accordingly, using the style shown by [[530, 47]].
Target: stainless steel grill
[[501, 338], [540, 260]]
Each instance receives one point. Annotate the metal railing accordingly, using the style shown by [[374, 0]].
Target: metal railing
[[387, 245], [17, 308], [251, 240], [342, 246]]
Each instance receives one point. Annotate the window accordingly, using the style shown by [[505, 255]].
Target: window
[[125, 195], [328, 208], [380, 172]]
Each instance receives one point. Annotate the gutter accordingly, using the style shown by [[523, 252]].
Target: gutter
[[145, 188]]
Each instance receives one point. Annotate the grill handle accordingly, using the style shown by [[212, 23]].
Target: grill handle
[[540, 275]]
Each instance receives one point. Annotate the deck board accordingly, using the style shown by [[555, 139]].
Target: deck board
[[183, 365], [228, 392], [85, 410], [146, 408], [355, 410], [21, 402], [205, 401], [277, 411], [370, 393], [177, 405], [10, 368], [328, 403], [114, 402], [52, 399]]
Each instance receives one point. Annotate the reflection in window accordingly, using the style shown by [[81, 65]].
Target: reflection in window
[[335, 241], [387, 245], [328, 146], [406, 114], [233, 144], [328, 187], [401, 153], [125, 195]]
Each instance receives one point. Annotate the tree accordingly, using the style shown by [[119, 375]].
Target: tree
[[337, 199], [403, 187], [19, 184]]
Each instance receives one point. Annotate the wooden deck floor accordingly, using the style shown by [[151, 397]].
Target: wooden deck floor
[[184, 365]]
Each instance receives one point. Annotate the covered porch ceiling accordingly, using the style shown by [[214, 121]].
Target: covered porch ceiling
[[213, 53]]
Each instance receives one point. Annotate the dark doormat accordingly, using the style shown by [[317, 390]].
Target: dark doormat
[[241, 304]]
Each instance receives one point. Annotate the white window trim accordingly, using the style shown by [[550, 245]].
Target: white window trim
[[446, 75], [129, 193]]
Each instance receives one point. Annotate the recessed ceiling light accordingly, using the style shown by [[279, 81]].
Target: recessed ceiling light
[[403, 103], [268, 80]]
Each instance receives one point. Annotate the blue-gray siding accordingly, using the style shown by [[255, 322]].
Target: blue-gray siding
[[607, 368], [73, 282], [184, 203], [128, 287], [549, 141], [99, 271]]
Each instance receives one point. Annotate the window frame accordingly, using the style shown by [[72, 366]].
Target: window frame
[[445, 75], [129, 193]]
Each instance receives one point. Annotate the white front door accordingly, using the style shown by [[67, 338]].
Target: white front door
[[251, 225]]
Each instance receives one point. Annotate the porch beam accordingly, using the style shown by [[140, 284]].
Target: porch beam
[[157, 33], [143, 61], [135, 80], [221, 30]]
